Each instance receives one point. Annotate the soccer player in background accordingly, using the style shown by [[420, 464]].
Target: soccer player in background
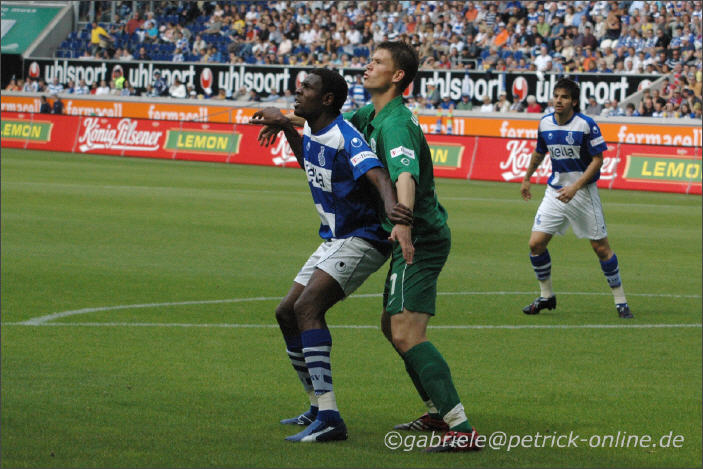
[[576, 147], [346, 180]]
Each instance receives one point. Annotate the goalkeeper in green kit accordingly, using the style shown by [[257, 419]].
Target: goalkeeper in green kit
[[394, 134]]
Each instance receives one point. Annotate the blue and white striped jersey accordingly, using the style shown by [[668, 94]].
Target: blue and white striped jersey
[[336, 158], [571, 147]]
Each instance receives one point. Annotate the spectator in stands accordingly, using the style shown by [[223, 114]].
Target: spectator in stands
[[82, 88], [31, 86], [487, 106], [45, 107], [177, 89], [55, 87], [70, 87], [433, 96], [159, 84], [134, 23], [465, 104], [99, 38], [103, 89], [57, 108], [13, 86], [126, 55], [503, 105], [532, 105], [142, 54], [593, 108], [199, 45], [542, 59]]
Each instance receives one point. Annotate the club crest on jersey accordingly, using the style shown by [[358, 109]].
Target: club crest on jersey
[[549, 135], [321, 156], [401, 150], [356, 142], [405, 161], [595, 129], [570, 138]]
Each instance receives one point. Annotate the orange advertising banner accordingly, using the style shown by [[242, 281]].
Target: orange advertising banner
[[658, 133]]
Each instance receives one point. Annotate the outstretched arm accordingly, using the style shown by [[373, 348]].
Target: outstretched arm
[[268, 135], [272, 118]]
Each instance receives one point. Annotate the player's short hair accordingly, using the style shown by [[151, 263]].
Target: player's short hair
[[333, 82], [404, 58], [573, 89]]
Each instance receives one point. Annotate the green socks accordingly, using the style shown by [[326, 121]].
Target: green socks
[[426, 365]]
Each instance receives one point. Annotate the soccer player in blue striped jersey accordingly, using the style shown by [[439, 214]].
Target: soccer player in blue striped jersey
[[575, 146], [351, 189]]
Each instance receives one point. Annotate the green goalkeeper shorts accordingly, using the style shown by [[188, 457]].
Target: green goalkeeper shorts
[[414, 286]]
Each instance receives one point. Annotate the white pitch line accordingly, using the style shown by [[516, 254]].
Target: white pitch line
[[516, 200], [49, 317], [355, 326]]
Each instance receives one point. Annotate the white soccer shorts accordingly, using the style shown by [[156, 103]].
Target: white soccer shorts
[[584, 213], [350, 261]]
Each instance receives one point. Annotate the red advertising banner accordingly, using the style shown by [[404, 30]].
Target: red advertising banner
[[626, 166]]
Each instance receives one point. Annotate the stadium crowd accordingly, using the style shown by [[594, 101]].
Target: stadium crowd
[[623, 37]]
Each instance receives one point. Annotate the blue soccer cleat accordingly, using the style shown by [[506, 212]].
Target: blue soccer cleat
[[321, 431], [303, 419], [539, 304]]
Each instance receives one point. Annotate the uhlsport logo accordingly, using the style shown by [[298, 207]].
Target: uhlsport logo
[[206, 80], [299, 78], [34, 70], [117, 71], [644, 84], [408, 91], [520, 88]]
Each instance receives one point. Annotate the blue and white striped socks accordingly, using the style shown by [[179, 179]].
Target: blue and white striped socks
[[317, 344], [294, 348], [611, 270], [542, 265]]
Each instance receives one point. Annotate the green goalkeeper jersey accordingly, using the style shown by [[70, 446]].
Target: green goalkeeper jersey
[[397, 139]]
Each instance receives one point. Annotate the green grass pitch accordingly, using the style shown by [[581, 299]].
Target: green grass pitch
[[159, 265]]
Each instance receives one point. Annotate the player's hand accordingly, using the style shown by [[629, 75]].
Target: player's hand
[[403, 235], [400, 215], [268, 135], [565, 194], [525, 190], [269, 116]]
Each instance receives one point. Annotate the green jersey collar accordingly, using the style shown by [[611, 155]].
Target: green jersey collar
[[392, 105]]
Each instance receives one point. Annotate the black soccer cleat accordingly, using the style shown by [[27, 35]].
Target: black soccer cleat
[[425, 423], [624, 311], [539, 304]]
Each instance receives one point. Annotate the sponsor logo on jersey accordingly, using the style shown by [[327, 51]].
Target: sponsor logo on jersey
[[372, 143], [401, 150], [562, 151], [364, 155]]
